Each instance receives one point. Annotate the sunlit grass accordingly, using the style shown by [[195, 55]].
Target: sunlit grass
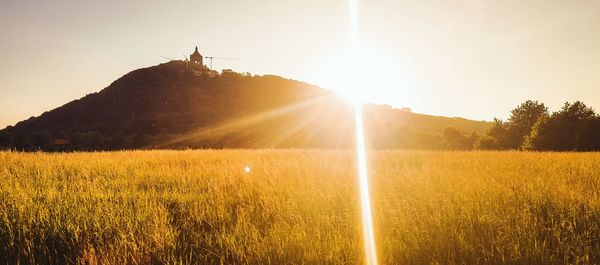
[[299, 207]]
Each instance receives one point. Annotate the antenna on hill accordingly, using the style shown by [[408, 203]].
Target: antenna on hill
[[187, 62], [170, 59], [220, 58]]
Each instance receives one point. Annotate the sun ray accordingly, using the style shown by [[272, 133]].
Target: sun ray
[[246, 122], [363, 177], [317, 119]]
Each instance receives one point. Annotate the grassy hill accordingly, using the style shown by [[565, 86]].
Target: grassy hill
[[166, 106]]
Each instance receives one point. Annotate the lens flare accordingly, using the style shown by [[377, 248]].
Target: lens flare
[[363, 181], [363, 177]]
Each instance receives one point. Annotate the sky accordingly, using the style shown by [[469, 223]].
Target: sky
[[464, 58]]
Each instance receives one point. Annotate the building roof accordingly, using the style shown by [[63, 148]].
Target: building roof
[[196, 53]]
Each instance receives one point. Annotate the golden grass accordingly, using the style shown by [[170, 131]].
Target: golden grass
[[301, 207]]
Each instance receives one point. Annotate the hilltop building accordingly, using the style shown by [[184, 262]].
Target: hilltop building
[[196, 57], [196, 64]]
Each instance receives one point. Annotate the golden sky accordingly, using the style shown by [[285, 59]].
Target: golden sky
[[473, 59]]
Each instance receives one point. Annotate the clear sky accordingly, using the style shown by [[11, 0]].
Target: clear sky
[[469, 58]]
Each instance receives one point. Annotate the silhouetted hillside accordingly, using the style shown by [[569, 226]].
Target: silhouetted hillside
[[166, 106]]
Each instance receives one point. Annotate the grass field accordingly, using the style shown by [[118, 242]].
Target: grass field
[[299, 207]]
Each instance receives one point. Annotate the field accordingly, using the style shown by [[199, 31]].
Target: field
[[299, 207]]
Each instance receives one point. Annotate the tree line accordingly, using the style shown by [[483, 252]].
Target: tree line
[[575, 127], [530, 126], [77, 141]]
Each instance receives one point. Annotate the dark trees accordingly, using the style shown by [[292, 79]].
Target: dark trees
[[572, 128], [140, 140], [588, 135], [5, 140], [117, 142], [455, 140], [512, 133], [575, 127], [521, 120]]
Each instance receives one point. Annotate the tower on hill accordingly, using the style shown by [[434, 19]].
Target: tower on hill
[[196, 58]]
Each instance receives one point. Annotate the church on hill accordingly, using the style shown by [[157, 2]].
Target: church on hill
[[196, 57]]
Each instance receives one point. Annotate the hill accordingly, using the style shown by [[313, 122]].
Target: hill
[[166, 106]]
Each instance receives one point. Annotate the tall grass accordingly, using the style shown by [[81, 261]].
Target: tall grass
[[300, 207]]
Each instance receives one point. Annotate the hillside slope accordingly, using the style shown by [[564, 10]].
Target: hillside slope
[[165, 106]]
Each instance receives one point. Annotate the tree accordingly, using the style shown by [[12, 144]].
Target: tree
[[451, 134], [486, 142], [5, 140], [539, 138], [93, 140], [575, 112], [41, 140], [588, 135], [521, 120], [140, 140], [455, 140], [117, 142], [559, 132], [22, 141], [512, 133], [496, 135], [161, 139], [76, 140], [472, 140]]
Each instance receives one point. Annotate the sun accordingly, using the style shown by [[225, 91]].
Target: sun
[[360, 71], [360, 74]]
